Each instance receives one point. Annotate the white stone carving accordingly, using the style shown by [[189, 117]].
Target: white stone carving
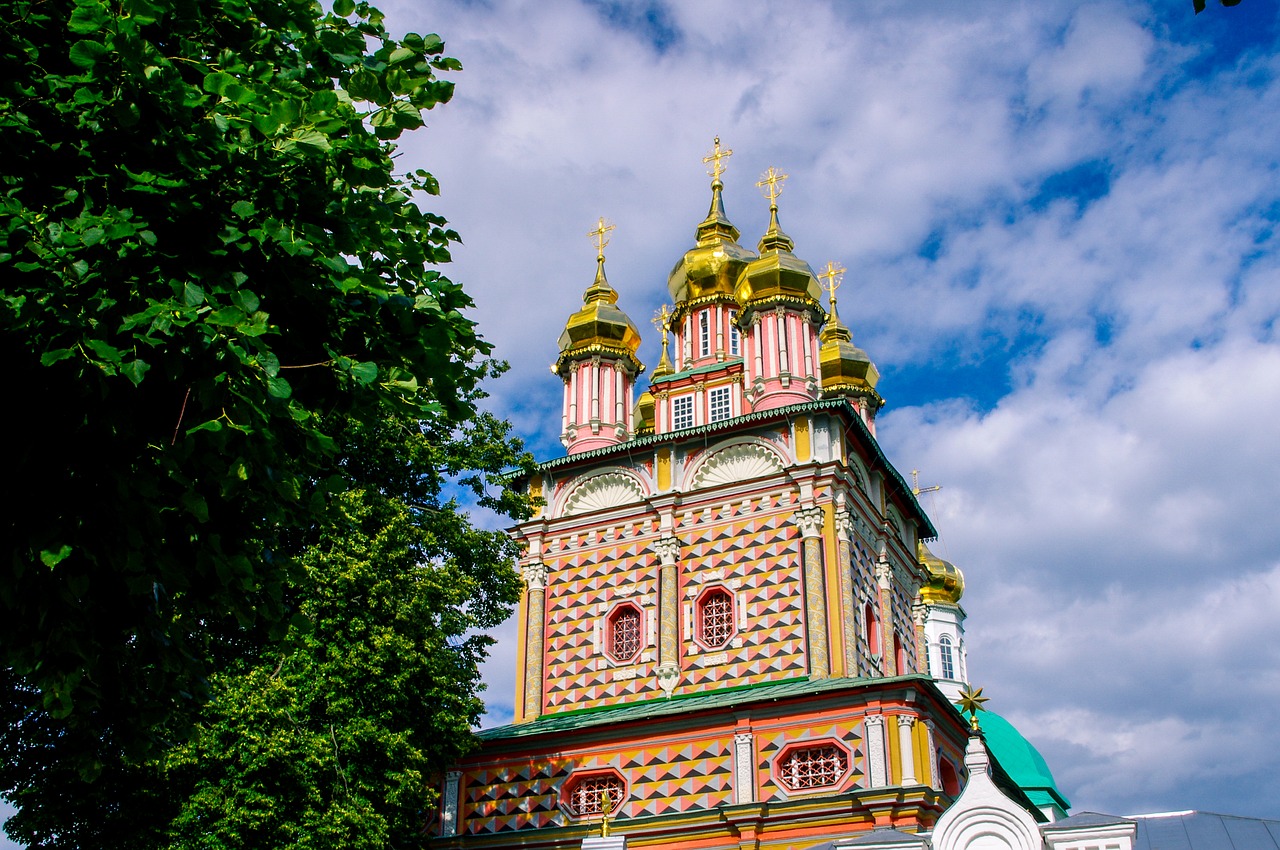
[[982, 817], [668, 678], [601, 492], [906, 749], [735, 463], [535, 575], [449, 817], [744, 785], [877, 765]]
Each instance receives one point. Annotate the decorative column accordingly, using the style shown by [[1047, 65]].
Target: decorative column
[[668, 548], [877, 764], [744, 769], [932, 760], [906, 749], [884, 580], [848, 607], [918, 615], [449, 816], [810, 521], [535, 578]]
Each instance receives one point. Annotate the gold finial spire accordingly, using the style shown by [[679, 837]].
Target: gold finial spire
[[599, 235], [661, 320], [971, 703], [832, 276], [916, 489], [716, 160], [771, 183]]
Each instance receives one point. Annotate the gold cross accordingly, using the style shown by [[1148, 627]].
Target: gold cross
[[660, 319], [602, 229], [715, 157], [916, 489], [773, 179], [834, 276]]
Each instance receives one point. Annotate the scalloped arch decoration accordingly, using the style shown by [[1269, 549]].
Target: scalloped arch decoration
[[736, 463], [601, 492]]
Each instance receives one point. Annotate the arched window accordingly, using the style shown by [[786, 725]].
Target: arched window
[[947, 665], [624, 633], [715, 618], [587, 795], [950, 781], [812, 767], [872, 625]]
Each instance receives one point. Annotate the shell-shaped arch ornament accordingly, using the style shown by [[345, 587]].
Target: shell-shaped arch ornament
[[735, 463], [600, 492]]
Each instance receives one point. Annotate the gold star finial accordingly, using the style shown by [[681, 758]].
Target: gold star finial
[[599, 235], [606, 804], [716, 160], [832, 277], [971, 703], [771, 183]]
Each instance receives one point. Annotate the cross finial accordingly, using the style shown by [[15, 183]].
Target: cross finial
[[916, 489], [660, 320], [832, 276], [715, 160], [771, 183], [599, 235]]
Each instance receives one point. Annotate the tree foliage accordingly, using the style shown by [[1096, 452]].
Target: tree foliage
[[214, 288]]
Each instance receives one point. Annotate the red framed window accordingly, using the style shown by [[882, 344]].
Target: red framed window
[[587, 796], [624, 633], [814, 766], [715, 618]]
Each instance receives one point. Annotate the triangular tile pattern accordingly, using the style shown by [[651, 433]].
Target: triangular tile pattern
[[763, 549], [847, 729], [516, 795]]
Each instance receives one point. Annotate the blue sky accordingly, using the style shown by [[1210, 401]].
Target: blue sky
[[1059, 220], [1060, 225]]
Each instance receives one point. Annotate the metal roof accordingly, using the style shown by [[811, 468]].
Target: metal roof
[[1205, 831]]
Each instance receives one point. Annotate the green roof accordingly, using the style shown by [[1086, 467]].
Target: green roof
[[710, 367], [1021, 761], [573, 721], [895, 481]]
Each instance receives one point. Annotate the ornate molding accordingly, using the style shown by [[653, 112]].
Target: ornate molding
[[535, 575], [744, 786], [449, 817], [810, 521], [734, 464], [601, 492], [667, 549]]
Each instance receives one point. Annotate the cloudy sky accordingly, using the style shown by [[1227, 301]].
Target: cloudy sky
[[1059, 220]]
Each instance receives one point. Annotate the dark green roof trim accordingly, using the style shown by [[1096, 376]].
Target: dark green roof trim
[[701, 370], [895, 482], [573, 721]]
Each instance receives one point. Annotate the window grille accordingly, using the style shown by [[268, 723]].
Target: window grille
[[812, 767], [624, 633], [588, 795], [682, 413], [735, 336], [720, 404], [948, 666], [716, 618]]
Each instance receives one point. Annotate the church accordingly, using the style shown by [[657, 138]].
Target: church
[[733, 632]]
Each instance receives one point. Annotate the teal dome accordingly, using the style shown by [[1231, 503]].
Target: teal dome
[[1022, 761]]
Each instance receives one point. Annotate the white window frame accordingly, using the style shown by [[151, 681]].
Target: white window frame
[[678, 418], [735, 336], [704, 333], [713, 395]]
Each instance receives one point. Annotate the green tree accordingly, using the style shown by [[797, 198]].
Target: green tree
[[214, 288], [206, 258]]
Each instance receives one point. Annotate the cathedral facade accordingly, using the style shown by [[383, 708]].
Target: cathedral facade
[[733, 634]]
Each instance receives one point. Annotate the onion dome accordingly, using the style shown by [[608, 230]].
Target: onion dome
[[600, 327], [846, 369], [711, 267], [777, 274], [643, 416], [946, 582]]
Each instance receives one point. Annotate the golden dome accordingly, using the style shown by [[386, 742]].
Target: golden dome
[[600, 327], [643, 414], [712, 266], [946, 582], [778, 274], [846, 369]]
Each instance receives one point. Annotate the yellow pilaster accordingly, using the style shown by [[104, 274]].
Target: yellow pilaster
[[803, 449], [839, 627]]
